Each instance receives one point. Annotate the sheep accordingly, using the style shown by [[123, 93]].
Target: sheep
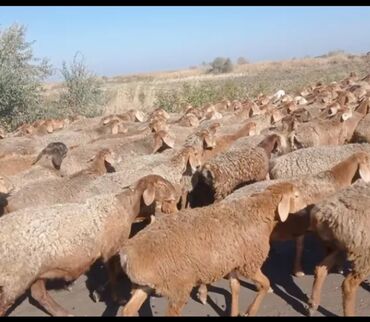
[[101, 163], [342, 223], [361, 134], [320, 132], [277, 96], [330, 131], [204, 137], [178, 252], [45, 165], [313, 189], [225, 141], [59, 190], [312, 160], [231, 169], [63, 241], [57, 151], [131, 115], [17, 154], [162, 140]]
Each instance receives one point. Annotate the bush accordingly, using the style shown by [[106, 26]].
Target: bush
[[221, 65], [83, 94], [242, 61], [173, 100], [20, 77]]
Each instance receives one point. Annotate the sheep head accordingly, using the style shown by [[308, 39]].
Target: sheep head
[[163, 139], [190, 120], [191, 159], [156, 189], [106, 158], [57, 151], [291, 199], [160, 112], [158, 124], [207, 174], [208, 139], [363, 160]]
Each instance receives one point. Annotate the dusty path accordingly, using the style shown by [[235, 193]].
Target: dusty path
[[288, 298]]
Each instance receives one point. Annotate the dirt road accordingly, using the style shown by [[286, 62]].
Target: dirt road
[[288, 299]]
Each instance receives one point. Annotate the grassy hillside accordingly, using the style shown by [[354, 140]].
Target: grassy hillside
[[172, 89]]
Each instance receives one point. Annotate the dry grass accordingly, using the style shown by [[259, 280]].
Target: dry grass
[[173, 88]]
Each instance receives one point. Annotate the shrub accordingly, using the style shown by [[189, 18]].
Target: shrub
[[20, 77], [221, 65], [172, 100], [83, 94], [242, 61]]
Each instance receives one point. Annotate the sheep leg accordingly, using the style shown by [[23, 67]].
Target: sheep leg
[[235, 290], [299, 244], [263, 286], [136, 301], [202, 293], [321, 271], [349, 289], [40, 294], [113, 268], [184, 200], [4, 308]]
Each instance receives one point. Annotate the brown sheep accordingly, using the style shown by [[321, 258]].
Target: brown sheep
[[63, 241], [178, 252]]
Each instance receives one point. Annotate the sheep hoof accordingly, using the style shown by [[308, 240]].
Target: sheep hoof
[[310, 310], [202, 298], [95, 296], [299, 274]]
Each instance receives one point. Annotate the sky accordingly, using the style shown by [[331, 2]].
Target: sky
[[126, 40]]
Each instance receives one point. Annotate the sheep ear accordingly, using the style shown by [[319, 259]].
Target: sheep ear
[[169, 140], [333, 111], [157, 143], [192, 162], [277, 144], [57, 161], [115, 129], [208, 141], [364, 171], [139, 116], [284, 207], [148, 195]]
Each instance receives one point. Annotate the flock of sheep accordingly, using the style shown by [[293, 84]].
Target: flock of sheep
[[216, 186]]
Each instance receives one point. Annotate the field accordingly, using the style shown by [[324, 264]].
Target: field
[[173, 89]]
